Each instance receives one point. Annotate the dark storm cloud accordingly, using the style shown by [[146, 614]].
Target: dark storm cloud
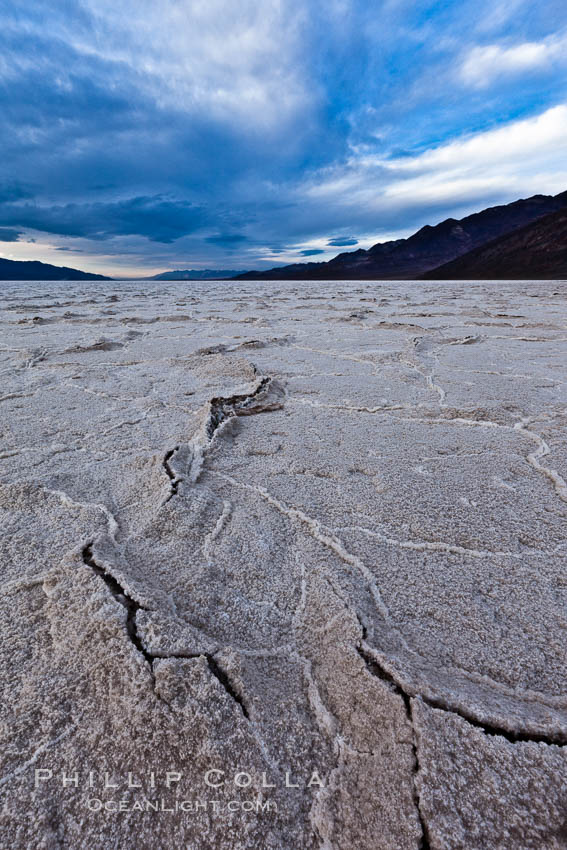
[[158, 219], [13, 192], [227, 239], [341, 242], [9, 235]]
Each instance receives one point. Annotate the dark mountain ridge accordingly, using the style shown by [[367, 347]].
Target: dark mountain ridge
[[34, 270], [429, 248], [537, 251]]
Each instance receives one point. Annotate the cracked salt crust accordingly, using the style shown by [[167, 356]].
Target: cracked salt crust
[[367, 580]]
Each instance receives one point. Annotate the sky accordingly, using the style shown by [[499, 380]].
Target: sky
[[144, 135]]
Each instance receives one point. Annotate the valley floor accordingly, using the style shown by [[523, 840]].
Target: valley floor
[[283, 565]]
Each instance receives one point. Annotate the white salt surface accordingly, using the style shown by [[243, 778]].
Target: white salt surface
[[284, 528]]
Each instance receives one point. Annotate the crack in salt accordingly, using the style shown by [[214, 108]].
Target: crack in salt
[[377, 669], [175, 481], [123, 597], [221, 410], [382, 674], [132, 606]]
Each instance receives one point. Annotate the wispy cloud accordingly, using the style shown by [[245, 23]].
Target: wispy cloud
[[498, 165], [242, 62], [483, 65]]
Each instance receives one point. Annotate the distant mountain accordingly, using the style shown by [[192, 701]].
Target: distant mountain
[[429, 248], [196, 274], [34, 270], [537, 251]]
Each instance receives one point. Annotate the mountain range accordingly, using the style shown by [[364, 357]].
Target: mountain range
[[430, 248], [34, 270], [535, 252], [524, 239]]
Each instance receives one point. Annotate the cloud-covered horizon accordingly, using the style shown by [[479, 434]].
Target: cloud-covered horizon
[[142, 136]]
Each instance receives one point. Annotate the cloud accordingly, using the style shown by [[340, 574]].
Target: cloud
[[157, 218], [341, 242], [531, 150], [9, 235], [310, 252], [146, 134], [13, 192], [497, 14], [482, 65], [228, 240], [241, 62], [525, 156]]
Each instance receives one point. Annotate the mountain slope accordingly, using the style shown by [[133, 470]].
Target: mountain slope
[[537, 251], [427, 249], [34, 270]]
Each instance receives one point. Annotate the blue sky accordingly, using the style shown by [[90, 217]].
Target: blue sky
[[143, 135]]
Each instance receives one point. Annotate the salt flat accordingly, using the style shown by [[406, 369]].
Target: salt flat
[[300, 534]]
